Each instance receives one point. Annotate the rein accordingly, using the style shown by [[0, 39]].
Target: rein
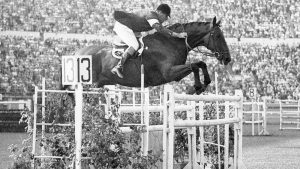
[[214, 53]]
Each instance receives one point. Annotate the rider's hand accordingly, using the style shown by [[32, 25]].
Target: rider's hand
[[182, 35]]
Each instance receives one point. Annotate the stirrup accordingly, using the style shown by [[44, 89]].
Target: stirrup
[[116, 71]]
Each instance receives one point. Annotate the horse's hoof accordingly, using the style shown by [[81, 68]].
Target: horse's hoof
[[199, 90]]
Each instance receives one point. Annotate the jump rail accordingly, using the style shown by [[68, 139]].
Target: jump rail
[[170, 124]]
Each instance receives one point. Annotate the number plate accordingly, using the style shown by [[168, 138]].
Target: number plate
[[76, 69], [252, 93]]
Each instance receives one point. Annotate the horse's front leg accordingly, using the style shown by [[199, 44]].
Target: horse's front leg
[[199, 87], [203, 66]]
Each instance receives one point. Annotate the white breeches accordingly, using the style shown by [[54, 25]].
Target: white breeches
[[126, 35]]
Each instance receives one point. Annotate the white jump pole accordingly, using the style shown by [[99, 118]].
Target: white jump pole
[[201, 132], [35, 96], [78, 124], [226, 136], [238, 132], [144, 113], [192, 144], [166, 134], [218, 117]]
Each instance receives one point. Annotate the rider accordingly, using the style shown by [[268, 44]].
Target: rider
[[127, 24]]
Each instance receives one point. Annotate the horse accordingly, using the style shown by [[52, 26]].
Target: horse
[[164, 57]]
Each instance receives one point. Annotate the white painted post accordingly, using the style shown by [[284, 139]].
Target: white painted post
[[191, 115], [264, 114], [280, 114], [145, 138], [238, 134], [171, 127], [226, 137], [78, 124], [218, 117], [298, 124], [43, 119], [43, 113], [201, 131], [167, 129], [259, 117], [165, 126], [35, 96], [253, 116]]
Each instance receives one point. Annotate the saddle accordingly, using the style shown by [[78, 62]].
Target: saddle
[[119, 47]]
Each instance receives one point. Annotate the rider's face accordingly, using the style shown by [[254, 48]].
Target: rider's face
[[162, 17]]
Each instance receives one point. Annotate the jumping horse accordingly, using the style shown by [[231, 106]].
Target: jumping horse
[[164, 57]]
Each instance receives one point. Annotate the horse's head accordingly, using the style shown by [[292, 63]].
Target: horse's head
[[215, 41], [206, 34]]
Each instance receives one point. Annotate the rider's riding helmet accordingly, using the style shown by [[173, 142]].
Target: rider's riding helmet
[[164, 8]]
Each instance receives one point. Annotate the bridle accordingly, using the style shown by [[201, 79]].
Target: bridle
[[216, 53]]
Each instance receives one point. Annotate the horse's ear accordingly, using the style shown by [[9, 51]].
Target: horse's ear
[[219, 22], [213, 23]]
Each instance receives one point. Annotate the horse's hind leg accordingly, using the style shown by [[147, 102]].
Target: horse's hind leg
[[176, 73]]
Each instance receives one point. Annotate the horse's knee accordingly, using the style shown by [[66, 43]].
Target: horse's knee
[[202, 65]]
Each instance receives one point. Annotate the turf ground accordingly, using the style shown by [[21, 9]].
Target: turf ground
[[280, 150]]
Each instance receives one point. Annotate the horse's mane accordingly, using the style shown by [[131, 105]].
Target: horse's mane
[[178, 27]]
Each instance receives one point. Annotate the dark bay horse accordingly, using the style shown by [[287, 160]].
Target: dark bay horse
[[164, 57]]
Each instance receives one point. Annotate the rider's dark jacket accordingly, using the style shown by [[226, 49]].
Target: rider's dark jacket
[[136, 22]]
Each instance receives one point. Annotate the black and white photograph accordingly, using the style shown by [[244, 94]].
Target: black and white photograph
[[149, 84]]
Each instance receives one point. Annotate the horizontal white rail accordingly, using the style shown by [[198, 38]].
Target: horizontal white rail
[[252, 112], [211, 98], [151, 128], [290, 122], [289, 128], [13, 102], [194, 123], [183, 108], [126, 90], [153, 108], [67, 91], [290, 106], [254, 122], [139, 109], [253, 103], [291, 117], [133, 124], [54, 124]]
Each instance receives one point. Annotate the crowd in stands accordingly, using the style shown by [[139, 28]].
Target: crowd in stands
[[241, 18], [273, 70]]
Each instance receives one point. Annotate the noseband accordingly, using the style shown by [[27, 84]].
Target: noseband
[[218, 54]]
